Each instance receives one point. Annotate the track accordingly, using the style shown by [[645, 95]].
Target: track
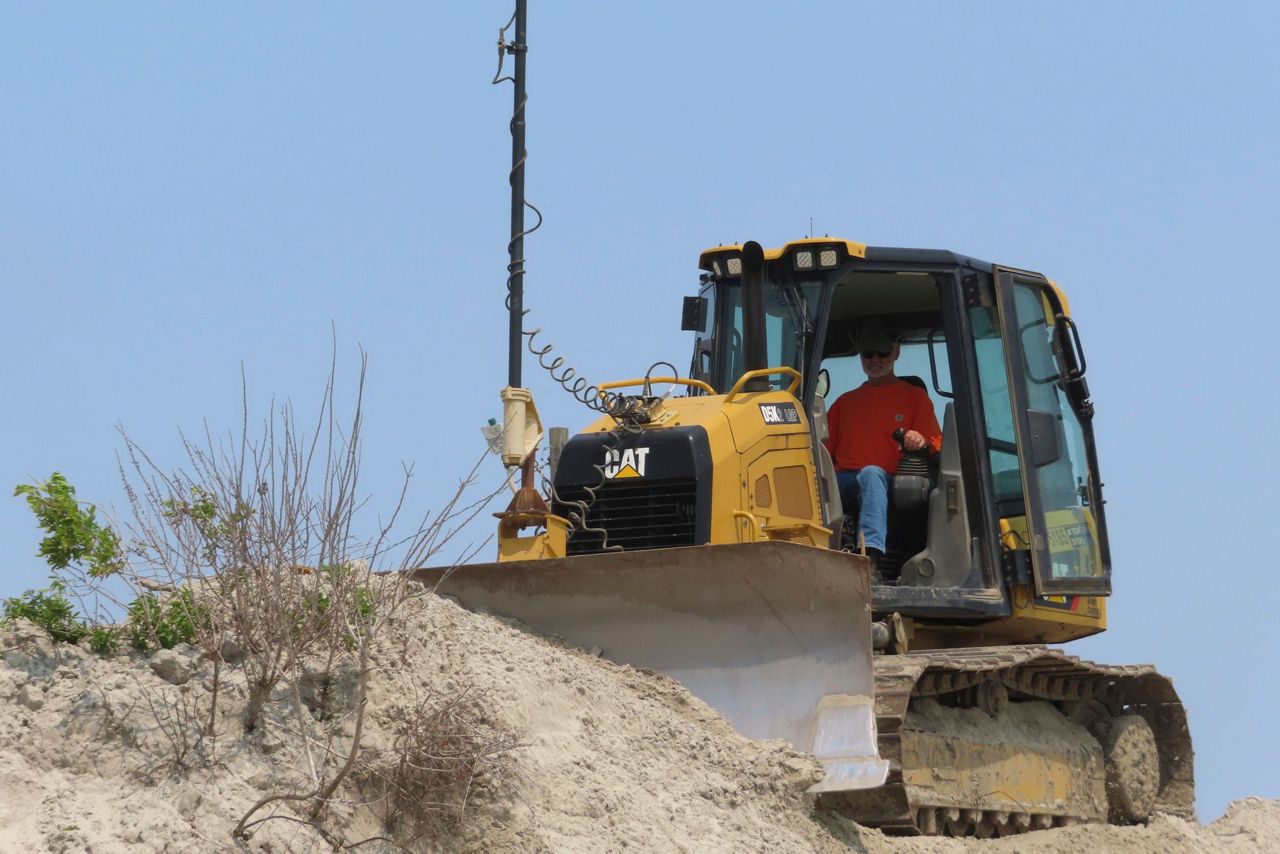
[[965, 787]]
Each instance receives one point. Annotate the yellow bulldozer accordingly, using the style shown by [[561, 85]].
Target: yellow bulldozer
[[699, 532], [696, 529]]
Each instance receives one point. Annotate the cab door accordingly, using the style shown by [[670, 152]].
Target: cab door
[[1052, 421]]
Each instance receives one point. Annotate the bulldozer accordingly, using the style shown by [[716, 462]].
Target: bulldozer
[[695, 529], [698, 532]]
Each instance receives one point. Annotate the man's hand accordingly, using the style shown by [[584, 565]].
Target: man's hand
[[913, 441]]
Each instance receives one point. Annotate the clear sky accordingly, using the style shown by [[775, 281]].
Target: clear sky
[[185, 189]]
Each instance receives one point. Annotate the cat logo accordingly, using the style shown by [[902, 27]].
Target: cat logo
[[628, 463]]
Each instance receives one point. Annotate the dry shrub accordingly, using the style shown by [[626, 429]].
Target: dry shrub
[[259, 527], [255, 538], [442, 747], [177, 713], [259, 531]]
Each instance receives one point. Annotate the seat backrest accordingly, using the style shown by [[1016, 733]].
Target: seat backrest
[[818, 415]]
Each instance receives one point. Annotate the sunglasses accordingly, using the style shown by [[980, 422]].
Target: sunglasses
[[876, 354]]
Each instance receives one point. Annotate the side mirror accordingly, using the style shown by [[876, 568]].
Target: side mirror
[[694, 317], [824, 383]]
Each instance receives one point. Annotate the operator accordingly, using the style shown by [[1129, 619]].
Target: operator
[[860, 427]]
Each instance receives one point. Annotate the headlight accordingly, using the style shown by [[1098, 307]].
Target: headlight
[[828, 258], [715, 267], [804, 260], [735, 265]]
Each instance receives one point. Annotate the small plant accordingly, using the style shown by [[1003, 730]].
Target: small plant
[[104, 640], [363, 603], [340, 581], [49, 609], [153, 623], [214, 529], [72, 531], [183, 617], [442, 746], [177, 714], [144, 613], [73, 535]]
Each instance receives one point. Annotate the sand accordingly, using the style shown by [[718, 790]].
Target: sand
[[606, 758]]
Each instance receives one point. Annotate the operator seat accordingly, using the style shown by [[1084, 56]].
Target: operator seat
[[915, 381], [909, 493]]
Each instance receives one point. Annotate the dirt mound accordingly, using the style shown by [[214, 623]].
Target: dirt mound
[[96, 753], [611, 757]]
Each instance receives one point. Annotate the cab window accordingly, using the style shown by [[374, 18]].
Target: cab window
[[997, 411], [790, 311], [1065, 488], [846, 372]]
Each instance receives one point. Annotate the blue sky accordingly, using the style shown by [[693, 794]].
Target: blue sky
[[185, 190]]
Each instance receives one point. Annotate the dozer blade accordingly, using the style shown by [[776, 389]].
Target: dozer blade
[[775, 636]]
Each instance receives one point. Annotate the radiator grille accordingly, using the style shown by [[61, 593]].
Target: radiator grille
[[637, 514]]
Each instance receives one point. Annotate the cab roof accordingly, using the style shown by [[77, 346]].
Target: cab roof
[[885, 254], [879, 254]]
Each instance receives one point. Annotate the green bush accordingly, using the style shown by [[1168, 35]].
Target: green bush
[[73, 534], [49, 609], [167, 624], [104, 640], [363, 606], [316, 604], [215, 526]]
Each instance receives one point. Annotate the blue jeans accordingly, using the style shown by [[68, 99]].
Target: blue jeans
[[864, 492]]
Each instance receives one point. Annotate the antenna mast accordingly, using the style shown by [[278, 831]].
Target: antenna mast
[[515, 267]]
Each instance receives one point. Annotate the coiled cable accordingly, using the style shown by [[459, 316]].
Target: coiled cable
[[629, 412]]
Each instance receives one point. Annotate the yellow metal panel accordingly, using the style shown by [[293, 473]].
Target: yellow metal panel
[[1049, 619], [1031, 620], [744, 448], [855, 250], [794, 515], [550, 543], [1061, 296]]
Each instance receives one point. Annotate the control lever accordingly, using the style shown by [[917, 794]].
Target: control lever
[[912, 462], [900, 436]]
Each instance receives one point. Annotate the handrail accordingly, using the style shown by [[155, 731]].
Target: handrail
[[765, 372], [642, 380], [933, 366], [752, 522]]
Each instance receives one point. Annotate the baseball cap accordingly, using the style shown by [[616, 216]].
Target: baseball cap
[[876, 336]]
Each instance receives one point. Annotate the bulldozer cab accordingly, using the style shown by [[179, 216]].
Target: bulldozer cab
[[1011, 508]]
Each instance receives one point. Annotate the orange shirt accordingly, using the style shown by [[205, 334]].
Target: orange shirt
[[861, 424]]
